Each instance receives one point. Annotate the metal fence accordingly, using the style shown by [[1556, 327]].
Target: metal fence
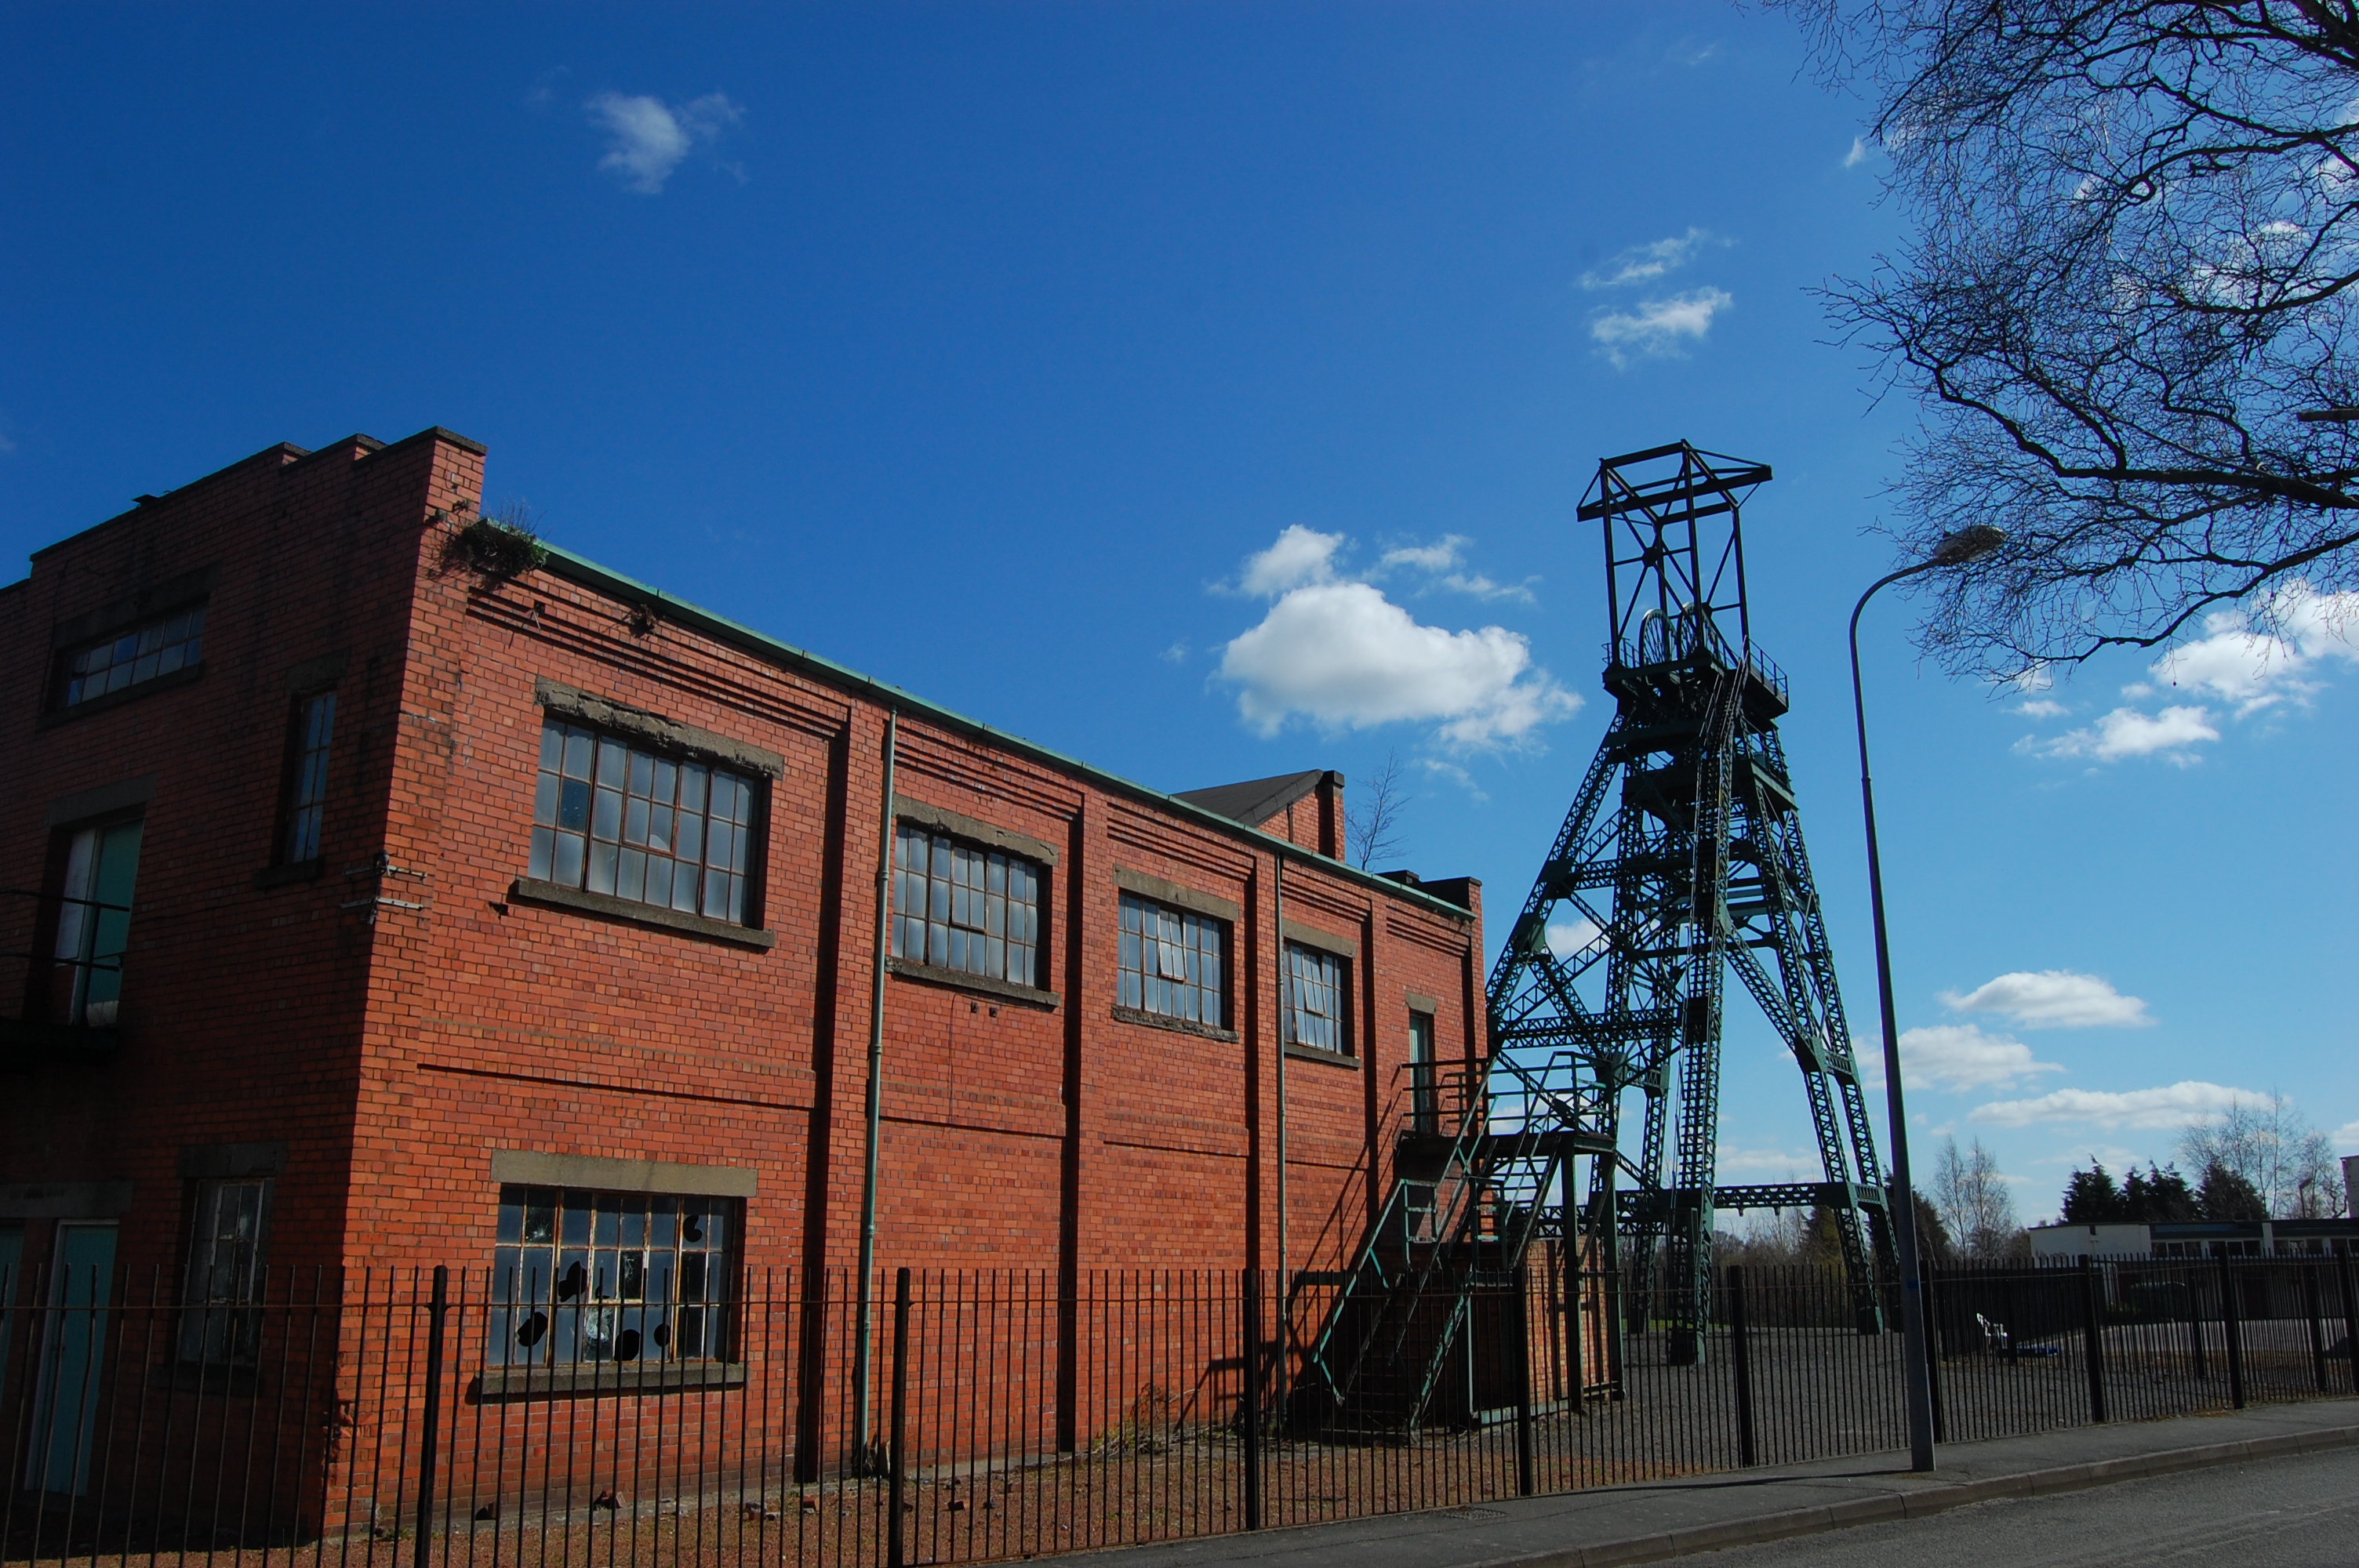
[[388, 1418]]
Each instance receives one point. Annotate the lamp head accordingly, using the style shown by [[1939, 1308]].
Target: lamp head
[[1968, 544]]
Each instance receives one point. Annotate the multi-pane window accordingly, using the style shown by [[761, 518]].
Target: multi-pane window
[[587, 1276], [307, 785], [93, 924], [166, 644], [221, 1319], [613, 818], [960, 907], [1315, 999], [1170, 962]]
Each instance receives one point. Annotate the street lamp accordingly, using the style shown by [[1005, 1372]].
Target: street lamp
[[1969, 544]]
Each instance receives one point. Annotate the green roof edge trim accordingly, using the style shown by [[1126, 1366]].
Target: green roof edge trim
[[564, 563]]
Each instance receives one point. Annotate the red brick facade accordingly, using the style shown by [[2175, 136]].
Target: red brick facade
[[398, 1012]]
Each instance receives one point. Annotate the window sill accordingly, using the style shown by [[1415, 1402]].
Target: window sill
[[1317, 1053], [505, 1385], [1146, 1019], [115, 700], [525, 890], [958, 980], [287, 875]]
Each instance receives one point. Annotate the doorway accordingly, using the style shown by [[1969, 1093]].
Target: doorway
[[73, 1351]]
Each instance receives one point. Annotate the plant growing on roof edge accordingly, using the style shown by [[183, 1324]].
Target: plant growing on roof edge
[[504, 544]]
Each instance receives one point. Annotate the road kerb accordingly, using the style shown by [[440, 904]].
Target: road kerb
[[1934, 1500]]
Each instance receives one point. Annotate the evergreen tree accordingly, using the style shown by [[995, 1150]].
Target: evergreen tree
[[2225, 1194], [2091, 1199], [2160, 1196]]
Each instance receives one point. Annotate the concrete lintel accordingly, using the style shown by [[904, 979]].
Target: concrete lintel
[[528, 1167]]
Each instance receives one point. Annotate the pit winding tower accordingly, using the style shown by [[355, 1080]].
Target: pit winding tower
[[1682, 862]]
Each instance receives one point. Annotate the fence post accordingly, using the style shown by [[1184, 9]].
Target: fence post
[[2313, 1308], [1251, 1413], [1576, 1352], [2093, 1338], [1742, 1357], [2350, 1315], [2232, 1325], [435, 1307], [2195, 1324], [1929, 1319], [896, 1542], [1526, 1471]]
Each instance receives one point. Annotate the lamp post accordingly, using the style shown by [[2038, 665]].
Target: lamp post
[[1970, 544]]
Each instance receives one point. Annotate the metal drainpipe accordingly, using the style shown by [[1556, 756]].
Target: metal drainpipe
[[1285, 1294], [864, 1329]]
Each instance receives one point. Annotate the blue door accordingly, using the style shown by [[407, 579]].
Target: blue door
[[73, 1351], [12, 1269]]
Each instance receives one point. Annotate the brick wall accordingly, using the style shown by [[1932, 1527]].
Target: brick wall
[[399, 1019]]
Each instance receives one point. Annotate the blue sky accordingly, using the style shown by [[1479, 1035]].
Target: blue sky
[[1151, 380]]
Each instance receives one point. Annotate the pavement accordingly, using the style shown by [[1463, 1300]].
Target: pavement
[[1654, 1521]]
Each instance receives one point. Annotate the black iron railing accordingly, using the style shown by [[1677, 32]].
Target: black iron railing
[[367, 1419], [62, 958]]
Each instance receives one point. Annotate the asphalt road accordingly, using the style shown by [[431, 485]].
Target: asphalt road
[[2302, 1512]]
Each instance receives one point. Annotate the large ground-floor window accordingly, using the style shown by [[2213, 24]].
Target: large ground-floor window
[[596, 1276]]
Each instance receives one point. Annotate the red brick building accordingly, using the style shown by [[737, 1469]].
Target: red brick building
[[389, 892]]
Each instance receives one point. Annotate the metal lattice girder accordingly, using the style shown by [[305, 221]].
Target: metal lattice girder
[[1682, 860]]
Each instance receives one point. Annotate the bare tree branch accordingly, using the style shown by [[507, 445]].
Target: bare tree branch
[[1374, 824], [2132, 263]]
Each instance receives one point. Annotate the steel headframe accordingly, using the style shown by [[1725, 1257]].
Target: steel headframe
[[1682, 860]]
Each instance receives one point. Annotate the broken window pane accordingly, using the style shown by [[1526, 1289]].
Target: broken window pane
[[597, 1276], [1315, 999], [221, 1323], [1168, 962]]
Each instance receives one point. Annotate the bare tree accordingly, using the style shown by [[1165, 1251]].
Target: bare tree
[[1374, 824], [2272, 1146], [1973, 1200], [2128, 287]]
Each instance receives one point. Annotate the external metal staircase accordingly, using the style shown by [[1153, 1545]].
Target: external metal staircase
[[1480, 1173]]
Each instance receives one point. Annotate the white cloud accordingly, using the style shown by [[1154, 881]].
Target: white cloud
[[1300, 556], [1438, 557], [2346, 1138], [2249, 660], [1345, 656], [1858, 154], [2051, 998], [1482, 587], [2256, 669], [1439, 560], [1644, 263], [1659, 328], [2040, 708], [1569, 936], [650, 138], [1959, 1056], [1177, 654], [2128, 732], [1455, 774], [1774, 1164], [2176, 1105]]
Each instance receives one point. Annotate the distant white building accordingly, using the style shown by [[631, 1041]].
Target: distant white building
[[2065, 1244]]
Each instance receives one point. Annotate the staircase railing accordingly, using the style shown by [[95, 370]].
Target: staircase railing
[[1472, 1217]]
